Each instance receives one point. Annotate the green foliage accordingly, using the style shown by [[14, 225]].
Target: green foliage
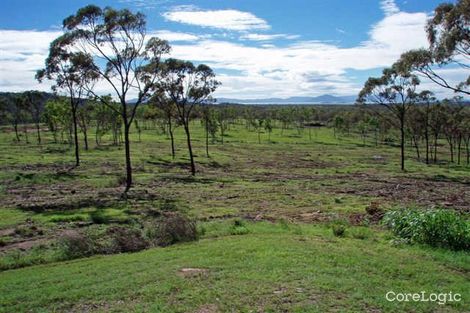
[[361, 233], [76, 245], [99, 217], [170, 229], [339, 230], [239, 227], [438, 228], [126, 239]]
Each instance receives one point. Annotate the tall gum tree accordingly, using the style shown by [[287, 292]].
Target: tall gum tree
[[72, 72], [395, 90], [124, 58], [186, 85], [448, 32]]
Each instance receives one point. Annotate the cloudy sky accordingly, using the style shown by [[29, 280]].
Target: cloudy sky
[[258, 48]]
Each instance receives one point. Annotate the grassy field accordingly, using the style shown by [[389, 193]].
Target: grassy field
[[287, 192]]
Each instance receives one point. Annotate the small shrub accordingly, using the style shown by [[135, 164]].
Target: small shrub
[[438, 228], [239, 227], [68, 219], [168, 205], [126, 239], [239, 223], [283, 223], [241, 230], [28, 230], [171, 229], [360, 233], [76, 245], [339, 230], [98, 217]]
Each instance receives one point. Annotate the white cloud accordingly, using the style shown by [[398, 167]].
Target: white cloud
[[145, 4], [174, 36], [222, 19], [389, 7], [259, 69], [267, 37], [22, 53]]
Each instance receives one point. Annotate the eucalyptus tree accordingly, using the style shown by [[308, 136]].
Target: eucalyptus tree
[[453, 126], [396, 91], [57, 116], [84, 117], [122, 56], [268, 126], [222, 116], [168, 107], [210, 125], [448, 34], [71, 72], [427, 99], [35, 101], [13, 111], [186, 85], [437, 120]]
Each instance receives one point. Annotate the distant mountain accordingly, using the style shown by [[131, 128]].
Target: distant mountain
[[324, 99]]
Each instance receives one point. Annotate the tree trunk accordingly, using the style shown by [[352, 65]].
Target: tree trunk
[[15, 126], [435, 148], [75, 134], [97, 134], [402, 142], [207, 138], [170, 130], [417, 148], [39, 133], [451, 148], [25, 129], [426, 139], [426, 134], [85, 137], [128, 155], [190, 149], [467, 146], [459, 149]]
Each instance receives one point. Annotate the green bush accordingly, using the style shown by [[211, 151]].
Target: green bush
[[339, 230], [171, 229], [76, 245], [361, 233], [126, 239], [239, 227], [437, 228], [99, 217]]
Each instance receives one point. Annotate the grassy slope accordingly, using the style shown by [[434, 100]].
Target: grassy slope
[[273, 268], [298, 268]]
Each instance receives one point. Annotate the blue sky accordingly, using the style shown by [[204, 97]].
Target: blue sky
[[258, 48]]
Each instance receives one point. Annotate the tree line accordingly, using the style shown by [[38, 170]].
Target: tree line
[[108, 47], [448, 32]]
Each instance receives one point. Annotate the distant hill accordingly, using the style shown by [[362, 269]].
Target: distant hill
[[324, 99]]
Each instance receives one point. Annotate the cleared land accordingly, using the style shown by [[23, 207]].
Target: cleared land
[[287, 191]]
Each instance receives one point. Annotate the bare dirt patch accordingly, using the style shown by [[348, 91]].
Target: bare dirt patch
[[190, 272], [406, 191], [62, 197]]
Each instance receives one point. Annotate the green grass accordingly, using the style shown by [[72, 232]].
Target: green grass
[[272, 268], [293, 263]]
